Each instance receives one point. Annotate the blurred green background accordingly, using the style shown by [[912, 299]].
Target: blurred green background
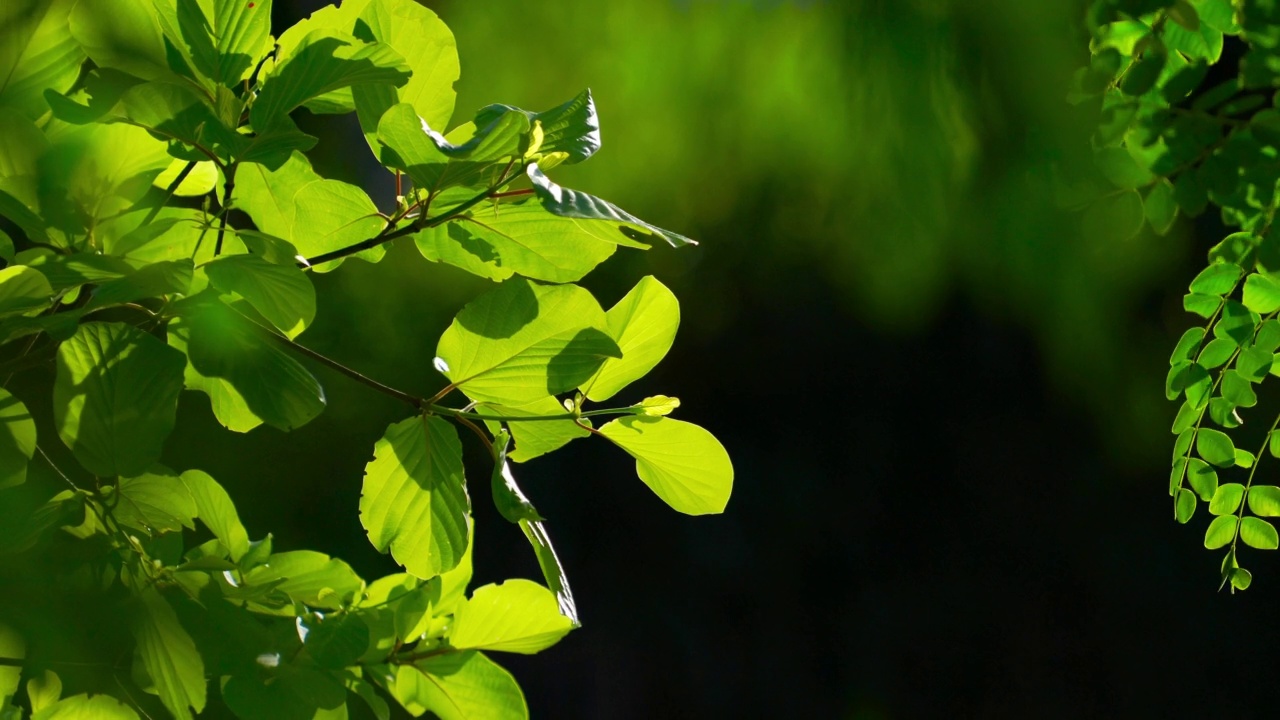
[[942, 394]]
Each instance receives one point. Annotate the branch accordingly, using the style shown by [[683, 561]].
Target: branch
[[226, 208]]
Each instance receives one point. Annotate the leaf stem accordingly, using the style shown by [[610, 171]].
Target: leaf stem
[[227, 188], [1257, 460]]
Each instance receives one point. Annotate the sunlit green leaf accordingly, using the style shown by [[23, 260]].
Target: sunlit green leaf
[[23, 289], [37, 52], [1264, 500], [644, 324], [222, 39], [217, 512], [1261, 294], [309, 577], [1217, 279], [1185, 506], [43, 690], [535, 439], [17, 440], [87, 707], [282, 293], [337, 215], [1203, 478], [121, 34], [1203, 305], [115, 397], [516, 616], [682, 463], [1220, 532], [521, 342], [1237, 323], [228, 405], [1227, 499], [507, 495], [1216, 352], [168, 654], [1237, 390], [1258, 533], [414, 500], [573, 204], [1187, 346], [154, 504], [461, 686]]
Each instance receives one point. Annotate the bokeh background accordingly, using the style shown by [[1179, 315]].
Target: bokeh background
[[943, 397]]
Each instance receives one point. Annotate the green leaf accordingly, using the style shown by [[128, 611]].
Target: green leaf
[[1264, 500], [1142, 75], [462, 686], [572, 128], [429, 50], [1185, 507], [287, 692], [336, 641], [37, 52], [1258, 533], [1220, 532], [1227, 499], [322, 62], [174, 111], [168, 655], [121, 34], [414, 500], [155, 504], [1261, 294], [517, 238], [1241, 579], [228, 405], [12, 647], [17, 440], [521, 342], [517, 616], [682, 463], [222, 343], [1244, 458], [436, 163], [507, 495], [202, 179], [1237, 390], [282, 293], [115, 397], [44, 690], [1239, 248], [1217, 279], [311, 578], [1186, 417], [217, 512], [1216, 352], [552, 571], [87, 707], [1121, 169], [1187, 345], [644, 324], [535, 439], [337, 215], [1224, 413], [267, 195], [1254, 363], [1217, 14], [155, 280], [1203, 478], [23, 289], [573, 204], [1203, 305], [222, 39], [1237, 323]]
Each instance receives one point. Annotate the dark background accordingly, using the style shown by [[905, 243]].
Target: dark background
[[943, 400]]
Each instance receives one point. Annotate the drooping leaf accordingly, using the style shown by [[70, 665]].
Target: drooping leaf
[[516, 616], [414, 500], [115, 397], [1202, 478], [17, 440], [461, 686], [217, 512], [1187, 346], [507, 495], [155, 504], [322, 62], [572, 128], [573, 204], [1185, 506], [682, 463], [552, 570], [521, 342], [309, 577], [168, 654], [644, 324], [282, 293], [228, 405], [275, 387]]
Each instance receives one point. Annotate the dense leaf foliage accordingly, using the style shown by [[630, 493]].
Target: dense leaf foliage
[[163, 223], [1182, 132]]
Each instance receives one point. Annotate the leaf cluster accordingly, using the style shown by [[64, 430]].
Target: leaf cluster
[[165, 224]]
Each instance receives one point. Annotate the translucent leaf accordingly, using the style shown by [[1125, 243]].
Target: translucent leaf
[[200, 180], [1261, 294], [572, 128], [168, 655], [1254, 363], [37, 52], [23, 289], [1187, 346], [1186, 417], [217, 512], [287, 692], [1220, 532], [115, 397], [682, 463], [311, 578], [1217, 352], [1217, 279], [17, 440], [87, 707], [1241, 579], [1258, 533], [507, 495], [228, 405], [337, 215], [435, 162], [1202, 478], [1264, 500], [1244, 458], [1217, 14], [518, 238], [275, 387], [336, 641], [155, 504], [282, 293], [573, 204], [177, 111], [43, 690], [322, 62], [1227, 499], [1237, 323], [552, 570], [267, 195], [516, 616], [535, 439], [1185, 506], [222, 39], [644, 324], [13, 647], [1237, 390], [154, 280], [414, 500], [521, 342], [462, 686], [1203, 305], [121, 34]]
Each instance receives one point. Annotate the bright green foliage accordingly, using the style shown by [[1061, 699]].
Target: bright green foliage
[[129, 132]]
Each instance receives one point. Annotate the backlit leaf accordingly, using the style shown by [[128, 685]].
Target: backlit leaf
[[217, 512], [644, 324], [155, 504], [516, 616], [282, 293], [461, 686], [1220, 532], [682, 463], [168, 654], [1258, 533], [17, 440], [1227, 499]]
